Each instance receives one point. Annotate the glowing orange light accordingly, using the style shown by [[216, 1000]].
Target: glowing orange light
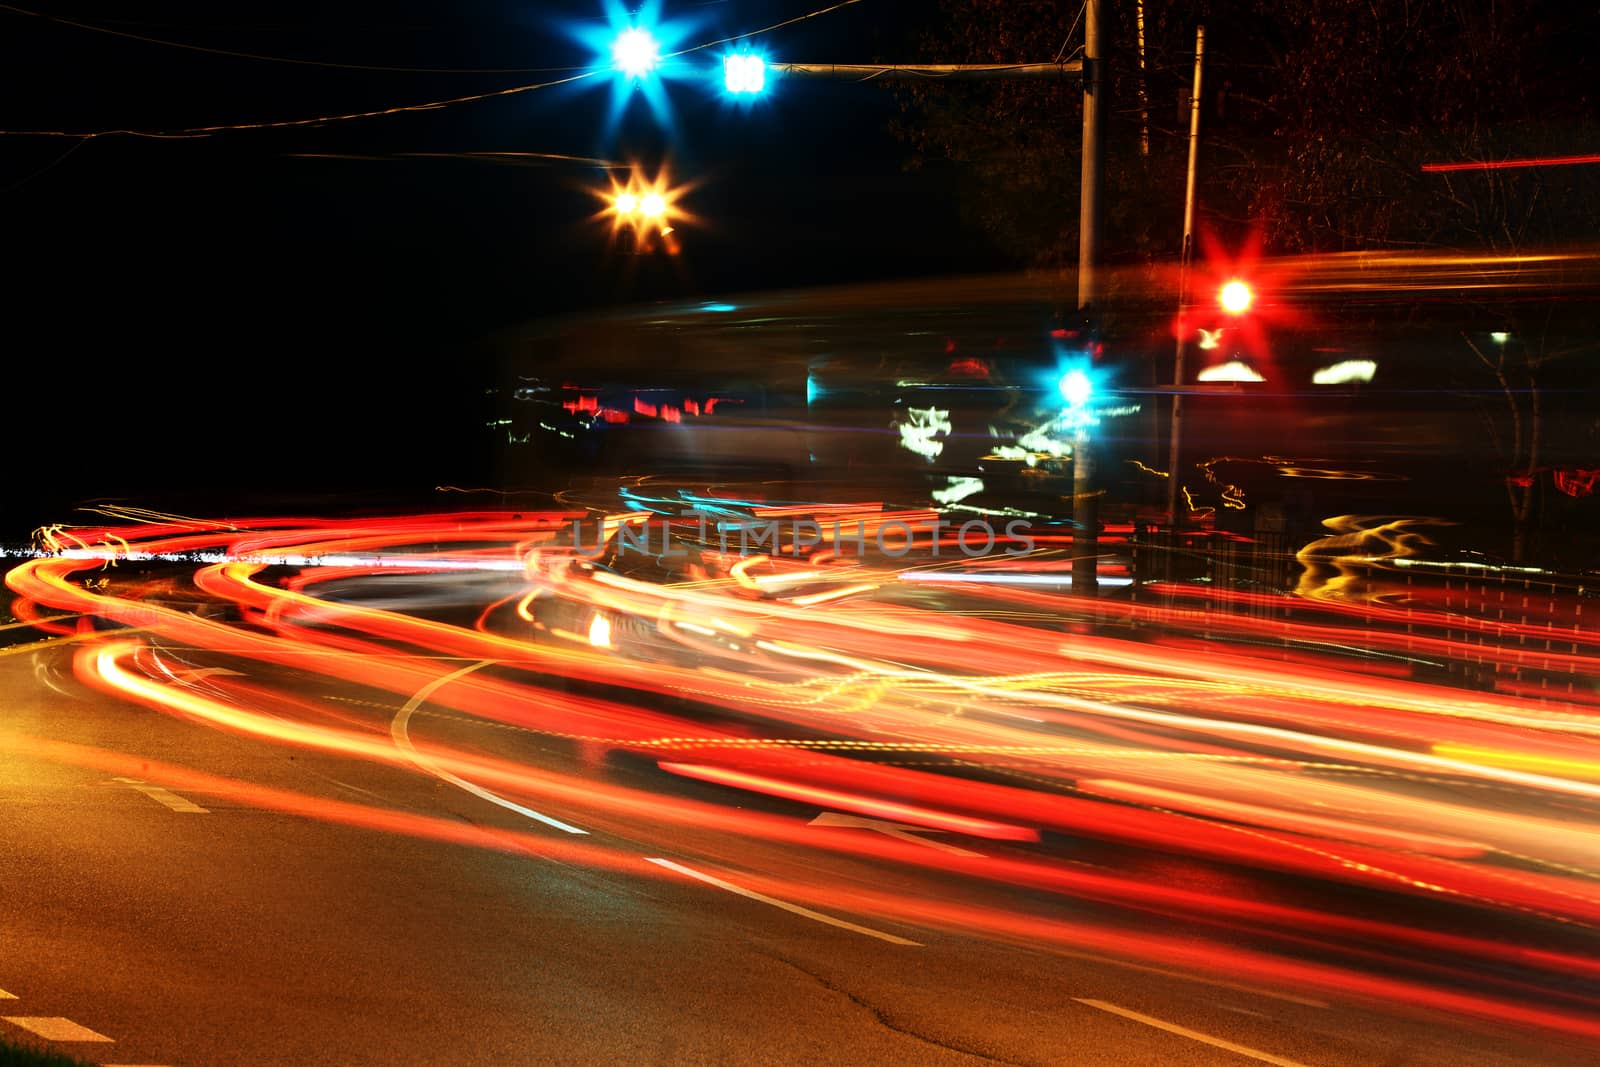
[[642, 203]]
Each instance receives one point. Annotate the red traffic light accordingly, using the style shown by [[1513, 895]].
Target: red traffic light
[[1235, 297]]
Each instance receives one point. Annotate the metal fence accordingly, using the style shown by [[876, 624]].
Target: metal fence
[[1474, 624]]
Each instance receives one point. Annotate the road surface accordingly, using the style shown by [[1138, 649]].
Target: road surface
[[434, 790]]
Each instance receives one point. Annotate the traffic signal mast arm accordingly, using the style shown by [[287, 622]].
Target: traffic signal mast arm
[[876, 71]]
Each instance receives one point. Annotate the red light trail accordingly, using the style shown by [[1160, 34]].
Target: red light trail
[[1511, 164], [753, 688]]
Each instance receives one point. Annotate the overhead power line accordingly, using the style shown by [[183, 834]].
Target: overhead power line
[[431, 105], [188, 47]]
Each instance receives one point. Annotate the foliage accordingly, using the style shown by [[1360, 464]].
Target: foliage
[[1360, 96], [1017, 142], [1318, 117]]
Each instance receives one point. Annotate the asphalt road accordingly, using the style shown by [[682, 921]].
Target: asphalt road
[[238, 935]]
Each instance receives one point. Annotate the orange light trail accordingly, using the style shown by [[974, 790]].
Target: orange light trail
[[806, 681]]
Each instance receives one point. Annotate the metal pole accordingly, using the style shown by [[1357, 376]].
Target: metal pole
[[1085, 500], [1093, 165], [1085, 518], [1086, 547], [1174, 474], [1144, 86], [860, 72]]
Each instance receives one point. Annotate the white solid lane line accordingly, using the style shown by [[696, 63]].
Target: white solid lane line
[[54, 1028], [402, 739], [164, 797], [785, 905], [1193, 1035]]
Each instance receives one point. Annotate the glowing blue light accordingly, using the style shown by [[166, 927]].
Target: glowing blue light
[[744, 72], [636, 52], [1075, 388], [712, 305], [813, 390]]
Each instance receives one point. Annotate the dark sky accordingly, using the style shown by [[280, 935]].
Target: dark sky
[[225, 312], [784, 188]]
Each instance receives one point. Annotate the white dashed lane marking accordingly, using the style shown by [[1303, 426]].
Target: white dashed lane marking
[[54, 1028], [1192, 1035], [164, 797], [816, 916]]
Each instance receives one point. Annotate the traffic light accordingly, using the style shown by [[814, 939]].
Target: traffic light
[[1235, 341], [1235, 297], [635, 52], [1075, 388], [744, 73]]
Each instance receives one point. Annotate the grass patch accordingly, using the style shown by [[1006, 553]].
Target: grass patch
[[13, 1054]]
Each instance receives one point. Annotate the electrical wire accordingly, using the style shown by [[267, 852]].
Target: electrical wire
[[25, 179], [186, 46], [1070, 31], [206, 131], [766, 29], [526, 159], [432, 105]]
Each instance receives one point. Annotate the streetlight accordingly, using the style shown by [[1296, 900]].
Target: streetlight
[[643, 210]]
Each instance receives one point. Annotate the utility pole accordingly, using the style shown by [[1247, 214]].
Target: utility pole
[[1093, 169], [1085, 497], [1144, 86], [1175, 435]]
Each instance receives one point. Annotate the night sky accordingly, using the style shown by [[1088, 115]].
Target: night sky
[[203, 319]]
